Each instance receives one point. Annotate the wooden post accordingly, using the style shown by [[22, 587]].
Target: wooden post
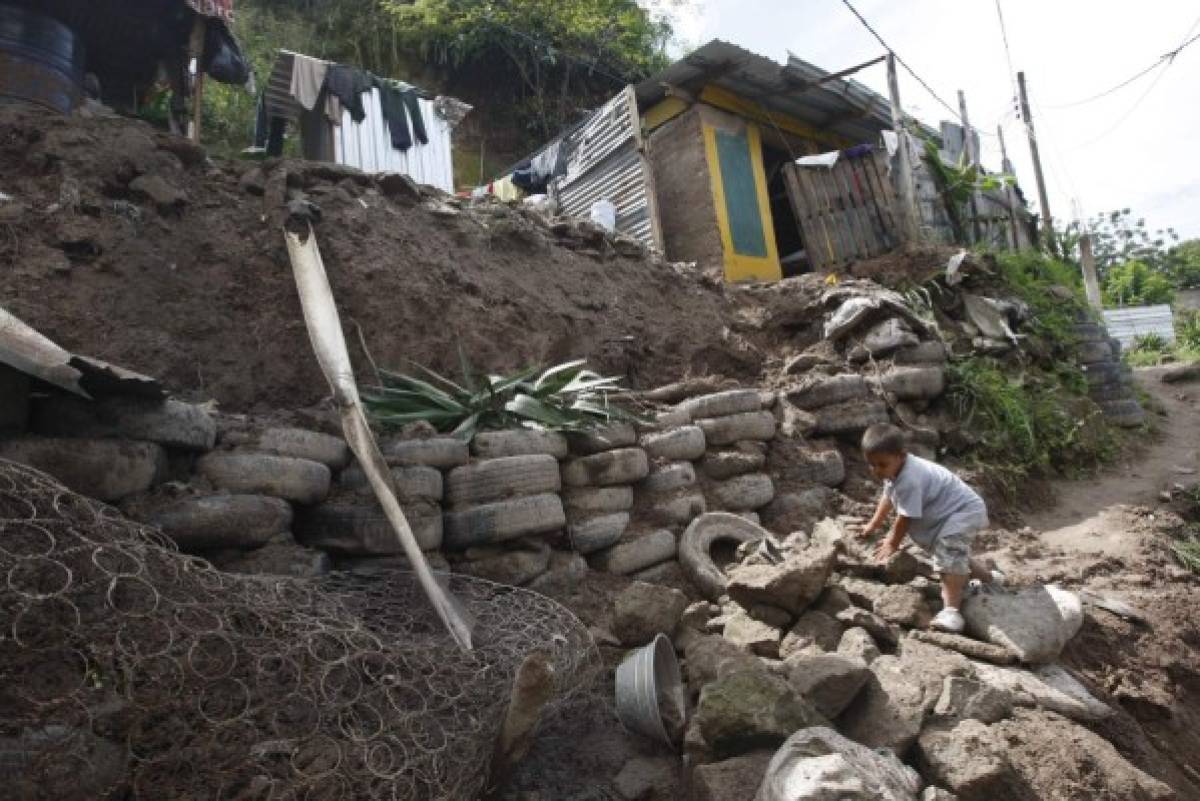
[[197, 106], [911, 225], [972, 159], [1043, 198], [1010, 196], [1091, 284]]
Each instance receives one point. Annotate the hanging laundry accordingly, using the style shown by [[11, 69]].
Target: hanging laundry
[[348, 85], [308, 78], [262, 122], [506, 190], [412, 102], [391, 100]]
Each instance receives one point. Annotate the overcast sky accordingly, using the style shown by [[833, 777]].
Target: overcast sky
[[1136, 148]]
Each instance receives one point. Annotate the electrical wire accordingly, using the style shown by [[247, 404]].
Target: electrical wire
[[1012, 72], [1166, 59]]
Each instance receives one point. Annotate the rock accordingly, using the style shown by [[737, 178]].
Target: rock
[[914, 383], [888, 336], [104, 469], [969, 759], [749, 710], [828, 681], [937, 794], [621, 466], [565, 569], [862, 592], [695, 548], [818, 391], [1060, 758], [605, 438], [964, 698], [730, 779], [170, 422], [792, 585], [516, 567], [504, 520], [411, 483], [858, 642], [165, 196], [301, 481], [725, 464], [901, 568], [360, 528], [771, 615], [670, 477], [491, 480], [851, 417], [743, 493], [754, 636], [1034, 623], [822, 765], [697, 614], [880, 629], [932, 352], [518, 442], [440, 452], [400, 188], [333, 452], [678, 444], [281, 560], [793, 421], [597, 533], [722, 404], [1180, 373], [222, 521], [973, 649], [638, 553], [594, 500], [1047, 687], [642, 611], [1092, 352], [747, 426], [1126, 413], [710, 657], [815, 630], [646, 777], [904, 605], [678, 510], [805, 464], [253, 181]]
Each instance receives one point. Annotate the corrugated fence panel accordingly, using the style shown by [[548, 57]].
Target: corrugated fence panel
[[1134, 321], [368, 146], [606, 164]]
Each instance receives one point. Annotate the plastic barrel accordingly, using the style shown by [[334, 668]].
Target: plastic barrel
[[647, 678], [41, 60]]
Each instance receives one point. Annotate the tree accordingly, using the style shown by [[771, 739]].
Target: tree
[[1135, 283], [1185, 264], [553, 52], [1117, 238]]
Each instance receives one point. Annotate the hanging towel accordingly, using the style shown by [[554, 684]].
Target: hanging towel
[[308, 77], [348, 85]]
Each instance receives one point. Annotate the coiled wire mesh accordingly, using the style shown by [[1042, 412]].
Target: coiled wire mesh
[[130, 670]]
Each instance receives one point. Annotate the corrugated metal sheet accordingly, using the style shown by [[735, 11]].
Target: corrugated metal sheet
[[606, 162], [1134, 321], [843, 107]]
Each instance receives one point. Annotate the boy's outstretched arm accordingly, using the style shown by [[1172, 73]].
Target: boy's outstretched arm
[[882, 512], [891, 543]]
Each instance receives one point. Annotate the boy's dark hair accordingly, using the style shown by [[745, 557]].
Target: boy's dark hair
[[884, 438]]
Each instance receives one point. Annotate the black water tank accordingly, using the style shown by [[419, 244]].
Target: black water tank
[[41, 60]]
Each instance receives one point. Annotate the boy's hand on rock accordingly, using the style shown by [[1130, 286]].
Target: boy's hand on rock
[[884, 550], [866, 531]]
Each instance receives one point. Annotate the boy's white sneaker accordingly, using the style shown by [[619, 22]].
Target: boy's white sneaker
[[949, 620]]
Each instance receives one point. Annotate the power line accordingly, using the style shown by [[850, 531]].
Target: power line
[[1164, 59], [1007, 52]]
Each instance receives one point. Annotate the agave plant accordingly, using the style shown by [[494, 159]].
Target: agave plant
[[565, 397]]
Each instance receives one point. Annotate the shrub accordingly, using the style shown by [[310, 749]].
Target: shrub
[[1135, 284]]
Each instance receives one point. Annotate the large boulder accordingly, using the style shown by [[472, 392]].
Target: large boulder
[[1034, 623], [749, 710], [792, 585], [970, 760], [643, 610], [828, 681], [818, 764]]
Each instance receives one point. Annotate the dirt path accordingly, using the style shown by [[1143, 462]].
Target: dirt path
[[1091, 517]]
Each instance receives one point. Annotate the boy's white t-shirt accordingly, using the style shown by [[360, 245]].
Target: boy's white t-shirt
[[936, 500]]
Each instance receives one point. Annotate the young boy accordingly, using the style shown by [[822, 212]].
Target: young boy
[[935, 508]]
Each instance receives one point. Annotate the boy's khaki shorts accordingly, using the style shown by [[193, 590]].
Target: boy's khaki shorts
[[951, 548]]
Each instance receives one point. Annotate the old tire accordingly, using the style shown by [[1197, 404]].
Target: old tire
[[758, 426], [622, 466], [722, 404], [695, 548], [669, 478], [597, 500], [362, 529], [222, 521], [679, 444], [598, 533], [822, 390], [412, 483], [727, 464], [632, 555], [495, 479], [530, 442], [333, 452], [300, 481], [504, 520], [440, 452], [914, 383], [743, 493], [599, 440], [851, 418]]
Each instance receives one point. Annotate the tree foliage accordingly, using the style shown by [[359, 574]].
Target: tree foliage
[[1184, 264], [1136, 283], [1117, 238]]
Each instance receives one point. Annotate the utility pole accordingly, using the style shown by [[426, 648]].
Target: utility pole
[[1091, 284], [1010, 196], [908, 195], [972, 159], [1043, 200]]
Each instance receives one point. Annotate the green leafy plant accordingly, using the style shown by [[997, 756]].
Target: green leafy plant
[[1150, 342], [1187, 551], [565, 397], [1135, 283], [957, 182], [1187, 329], [1037, 281]]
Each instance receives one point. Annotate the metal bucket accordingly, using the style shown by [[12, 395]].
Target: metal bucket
[[647, 679], [41, 60]]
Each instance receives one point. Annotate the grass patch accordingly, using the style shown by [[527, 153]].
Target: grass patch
[[1187, 551], [1027, 423], [1037, 280]]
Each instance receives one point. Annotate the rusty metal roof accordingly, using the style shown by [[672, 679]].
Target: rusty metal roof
[[841, 106]]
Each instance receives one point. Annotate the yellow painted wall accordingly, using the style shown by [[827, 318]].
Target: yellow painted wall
[[739, 267]]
